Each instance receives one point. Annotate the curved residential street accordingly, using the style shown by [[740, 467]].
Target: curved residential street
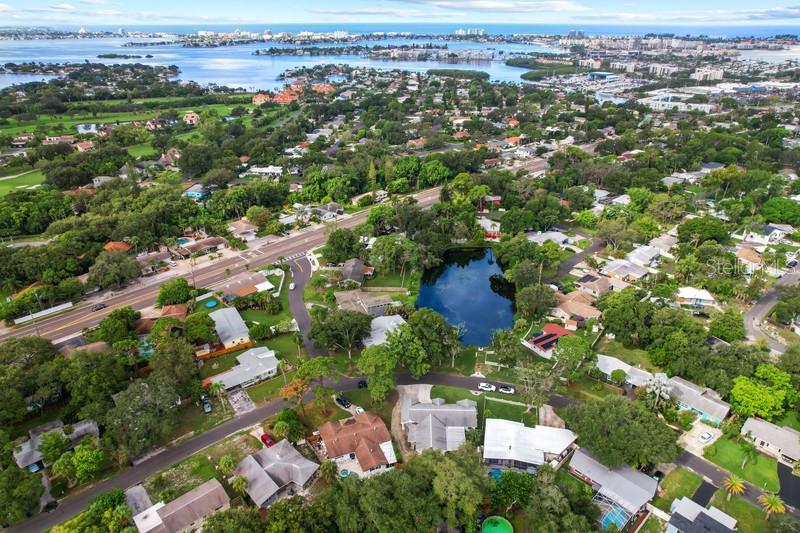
[[758, 312]]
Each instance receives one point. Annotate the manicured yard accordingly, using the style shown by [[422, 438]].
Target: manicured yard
[[760, 470], [411, 283], [22, 182], [587, 389], [218, 365], [139, 150], [494, 409], [193, 421], [464, 362], [269, 389], [653, 525], [631, 356], [677, 484], [750, 518], [362, 398]]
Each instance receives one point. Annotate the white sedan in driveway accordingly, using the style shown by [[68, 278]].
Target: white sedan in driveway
[[705, 437], [488, 387]]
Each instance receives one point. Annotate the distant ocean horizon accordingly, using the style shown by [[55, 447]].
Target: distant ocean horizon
[[727, 31]]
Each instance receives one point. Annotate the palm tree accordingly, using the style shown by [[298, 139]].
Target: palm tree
[[658, 387], [227, 464], [239, 485], [771, 503], [749, 452], [328, 471], [734, 485], [218, 390]]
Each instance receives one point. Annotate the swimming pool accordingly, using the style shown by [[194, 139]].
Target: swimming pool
[[615, 516]]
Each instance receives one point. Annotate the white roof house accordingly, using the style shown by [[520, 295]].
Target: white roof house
[[512, 444], [706, 402], [644, 256], [541, 237], [781, 442], [664, 243], [633, 376], [624, 270], [626, 487], [381, 327], [253, 366], [693, 296], [230, 327]]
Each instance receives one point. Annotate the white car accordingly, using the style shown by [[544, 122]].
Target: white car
[[291, 286], [172, 263], [507, 389], [359, 410], [488, 387], [705, 437]]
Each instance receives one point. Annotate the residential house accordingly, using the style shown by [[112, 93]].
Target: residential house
[[191, 119], [100, 180], [749, 259], [766, 234], [176, 311], [185, 513], [363, 302], [261, 99], [230, 328], [381, 327], [491, 228], [689, 516], [84, 146], [269, 171], [169, 159], [541, 237], [201, 247], [93, 347], [634, 377], [509, 444], [363, 438], [644, 256], [243, 230], [596, 284], [151, 262], [624, 270], [783, 443], [705, 402], [27, 454], [437, 424], [354, 271], [621, 493], [61, 139], [543, 342], [197, 192], [254, 365], [577, 304], [664, 244], [274, 472], [694, 297]]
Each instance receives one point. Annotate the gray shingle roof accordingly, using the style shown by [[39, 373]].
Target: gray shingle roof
[[701, 399], [784, 438], [629, 488], [438, 424], [271, 469], [228, 324]]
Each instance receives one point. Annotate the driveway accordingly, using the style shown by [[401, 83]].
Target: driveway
[[790, 486], [690, 441]]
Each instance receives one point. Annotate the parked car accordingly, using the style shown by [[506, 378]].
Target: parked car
[[206, 404], [291, 286], [172, 263], [705, 437], [98, 307], [488, 387], [507, 389], [362, 384], [359, 410], [344, 402], [267, 441]]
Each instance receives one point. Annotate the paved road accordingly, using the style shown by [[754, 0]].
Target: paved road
[[143, 294], [710, 472], [756, 314], [301, 273], [136, 474]]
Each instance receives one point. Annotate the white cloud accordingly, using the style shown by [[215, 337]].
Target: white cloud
[[371, 12], [95, 2], [508, 6], [63, 7], [5, 8]]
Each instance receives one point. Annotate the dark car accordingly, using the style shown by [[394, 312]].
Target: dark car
[[98, 307], [267, 440], [362, 384], [344, 402]]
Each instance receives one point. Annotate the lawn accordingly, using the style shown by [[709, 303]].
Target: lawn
[[193, 421], [678, 483], [218, 365], [362, 398], [653, 525], [485, 404], [750, 518], [631, 356], [140, 150], [262, 317], [21, 182], [269, 389], [464, 362], [587, 389], [411, 283], [761, 470]]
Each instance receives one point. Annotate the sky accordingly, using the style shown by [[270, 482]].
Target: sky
[[469, 12]]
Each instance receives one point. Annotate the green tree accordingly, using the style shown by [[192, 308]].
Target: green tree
[[227, 464], [728, 325], [772, 504], [433, 172], [535, 301], [53, 445], [459, 483], [19, 493], [765, 395], [378, 364], [240, 520], [239, 485], [174, 359], [733, 485], [199, 329], [342, 245], [112, 269], [88, 459], [512, 489], [439, 338], [404, 347], [648, 440], [341, 328], [64, 468], [176, 291]]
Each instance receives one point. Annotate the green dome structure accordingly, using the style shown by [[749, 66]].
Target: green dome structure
[[496, 524]]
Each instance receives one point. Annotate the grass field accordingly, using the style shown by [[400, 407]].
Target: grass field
[[677, 484], [21, 182], [791, 419], [750, 518], [268, 390], [140, 150], [761, 471], [495, 409]]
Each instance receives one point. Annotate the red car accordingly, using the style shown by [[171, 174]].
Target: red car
[[267, 440]]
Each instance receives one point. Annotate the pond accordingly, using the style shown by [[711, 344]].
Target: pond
[[469, 291]]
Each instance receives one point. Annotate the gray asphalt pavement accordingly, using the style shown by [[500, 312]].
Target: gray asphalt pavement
[[756, 314]]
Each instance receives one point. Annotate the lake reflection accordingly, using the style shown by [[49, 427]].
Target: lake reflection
[[469, 291]]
